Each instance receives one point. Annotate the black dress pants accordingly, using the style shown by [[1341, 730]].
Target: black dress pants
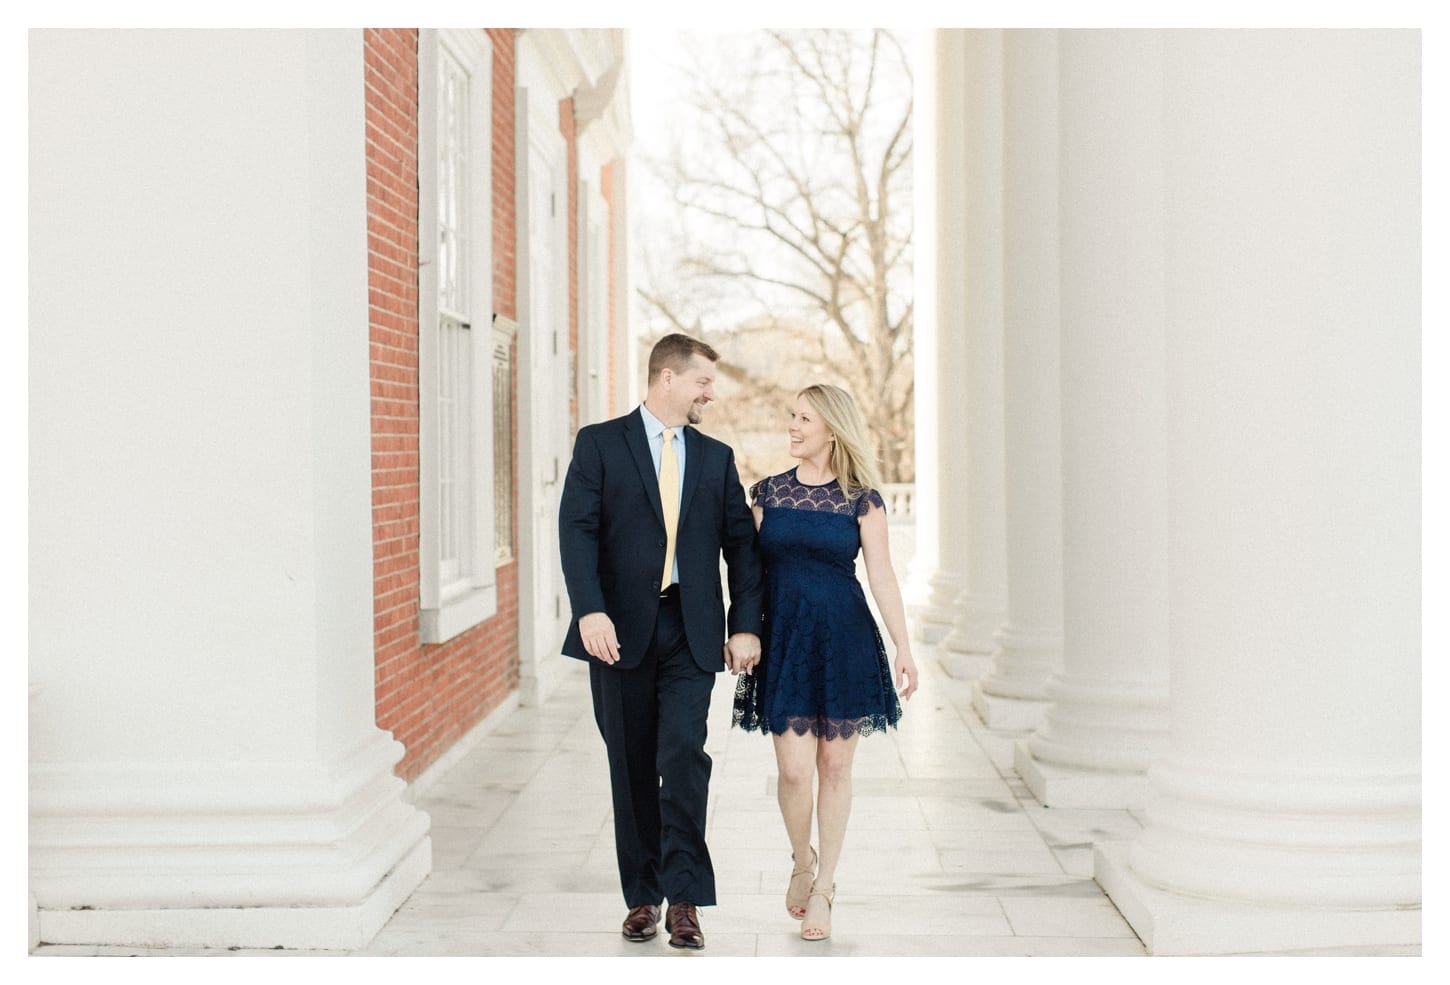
[[653, 720]]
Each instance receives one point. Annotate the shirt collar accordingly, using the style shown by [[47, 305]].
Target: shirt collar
[[652, 425]]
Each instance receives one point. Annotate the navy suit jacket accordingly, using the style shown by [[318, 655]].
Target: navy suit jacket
[[612, 542]]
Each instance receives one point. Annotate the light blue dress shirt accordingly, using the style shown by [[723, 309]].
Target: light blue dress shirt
[[655, 431]]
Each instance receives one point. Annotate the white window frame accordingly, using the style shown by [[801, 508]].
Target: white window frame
[[452, 604]]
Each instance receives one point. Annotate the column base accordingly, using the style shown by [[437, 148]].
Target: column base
[[340, 928], [1007, 714], [311, 854], [1173, 924], [964, 666], [935, 613], [1064, 786], [975, 628], [930, 633]]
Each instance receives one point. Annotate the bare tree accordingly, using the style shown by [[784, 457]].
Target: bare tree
[[792, 245]]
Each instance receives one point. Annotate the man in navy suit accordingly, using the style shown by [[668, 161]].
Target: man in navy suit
[[650, 619]]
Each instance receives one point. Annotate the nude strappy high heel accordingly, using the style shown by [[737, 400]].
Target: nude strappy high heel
[[820, 929], [798, 893]]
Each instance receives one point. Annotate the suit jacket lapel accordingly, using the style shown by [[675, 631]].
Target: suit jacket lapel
[[694, 460], [638, 442]]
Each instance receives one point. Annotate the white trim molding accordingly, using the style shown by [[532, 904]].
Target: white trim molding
[[450, 609]]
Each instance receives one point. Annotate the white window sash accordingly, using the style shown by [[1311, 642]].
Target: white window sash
[[458, 583]]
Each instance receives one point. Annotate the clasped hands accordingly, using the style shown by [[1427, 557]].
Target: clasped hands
[[742, 653], [596, 631]]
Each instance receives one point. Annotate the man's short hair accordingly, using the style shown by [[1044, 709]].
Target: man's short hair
[[675, 351]]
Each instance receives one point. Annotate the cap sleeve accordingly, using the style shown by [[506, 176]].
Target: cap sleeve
[[868, 499], [757, 492]]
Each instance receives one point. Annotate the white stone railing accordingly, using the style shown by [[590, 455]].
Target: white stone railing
[[900, 500]]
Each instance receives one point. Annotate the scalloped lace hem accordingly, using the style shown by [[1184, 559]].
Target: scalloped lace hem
[[819, 726]]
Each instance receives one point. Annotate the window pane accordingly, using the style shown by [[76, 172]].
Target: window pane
[[455, 466], [452, 186], [503, 451], [454, 440]]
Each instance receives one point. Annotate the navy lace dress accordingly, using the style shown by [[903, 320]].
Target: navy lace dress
[[823, 665]]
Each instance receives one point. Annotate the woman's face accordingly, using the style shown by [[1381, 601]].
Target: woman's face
[[809, 436]]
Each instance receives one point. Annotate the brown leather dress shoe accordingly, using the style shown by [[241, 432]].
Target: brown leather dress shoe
[[682, 920], [640, 924]]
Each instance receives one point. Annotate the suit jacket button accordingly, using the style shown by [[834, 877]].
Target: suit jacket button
[[662, 544]]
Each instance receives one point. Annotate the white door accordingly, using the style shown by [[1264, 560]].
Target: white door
[[544, 445], [594, 339]]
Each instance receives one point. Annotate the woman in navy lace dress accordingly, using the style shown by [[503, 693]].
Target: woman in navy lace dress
[[823, 680]]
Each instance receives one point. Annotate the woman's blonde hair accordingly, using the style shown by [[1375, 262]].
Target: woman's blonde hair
[[852, 457]]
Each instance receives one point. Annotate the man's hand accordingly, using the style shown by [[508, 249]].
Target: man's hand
[[597, 632], [742, 653]]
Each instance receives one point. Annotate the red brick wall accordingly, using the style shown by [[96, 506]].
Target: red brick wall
[[391, 70], [505, 280], [505, 232], [505, 646], [428, 697]]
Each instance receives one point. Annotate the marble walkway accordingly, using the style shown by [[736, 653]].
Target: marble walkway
[[948, 854]]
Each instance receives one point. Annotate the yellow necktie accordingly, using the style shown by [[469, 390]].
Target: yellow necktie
[[670, 500]]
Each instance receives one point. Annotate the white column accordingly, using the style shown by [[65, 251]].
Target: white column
[[1109, 713], [1288, 808], [926, 91], [204, 765], [967, 650], [1029, 650], [938, 573]]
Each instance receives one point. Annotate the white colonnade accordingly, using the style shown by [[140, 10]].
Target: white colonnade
[[981, 606], [1029, 651], [1218, 234], [1287, 810], [1108, 715], [939, 568]]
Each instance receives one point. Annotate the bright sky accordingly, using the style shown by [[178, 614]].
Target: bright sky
[[654, 90], [651, 93], [655, 114]]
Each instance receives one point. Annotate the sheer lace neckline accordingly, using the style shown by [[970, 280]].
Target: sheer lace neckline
[[795, 477], [788, 491]]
